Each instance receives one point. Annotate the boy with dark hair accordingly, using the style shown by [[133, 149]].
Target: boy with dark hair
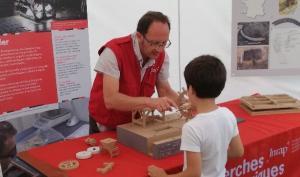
[[212, 135]]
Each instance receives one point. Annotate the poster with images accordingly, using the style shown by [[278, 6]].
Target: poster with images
[[44, 74], [265, 37], [44, 55]]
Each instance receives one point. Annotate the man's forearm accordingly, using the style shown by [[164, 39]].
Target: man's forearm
[[170, 94], [123, 102], [174, 96], [164, 90]]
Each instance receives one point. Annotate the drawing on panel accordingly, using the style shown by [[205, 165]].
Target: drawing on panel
[[254, 8]]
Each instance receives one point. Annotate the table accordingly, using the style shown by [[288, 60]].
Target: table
[[272, 148], [272, 145]]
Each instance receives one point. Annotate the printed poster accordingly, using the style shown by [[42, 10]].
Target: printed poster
[[265, 37], [44, 55], [44, 73]]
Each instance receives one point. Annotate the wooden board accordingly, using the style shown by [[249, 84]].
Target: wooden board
[[270, 102], [270, 111]]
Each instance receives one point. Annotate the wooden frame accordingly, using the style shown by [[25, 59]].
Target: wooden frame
[[270, 104]]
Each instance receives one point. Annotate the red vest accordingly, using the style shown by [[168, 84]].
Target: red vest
[[129, 82]]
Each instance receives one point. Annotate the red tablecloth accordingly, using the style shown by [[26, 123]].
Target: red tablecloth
[[129, 163], [272, 145], [272, 148]]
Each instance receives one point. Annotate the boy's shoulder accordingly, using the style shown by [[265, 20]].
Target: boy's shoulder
[[201, 119]]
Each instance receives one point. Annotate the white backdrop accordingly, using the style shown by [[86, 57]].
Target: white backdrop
[[198, 27]]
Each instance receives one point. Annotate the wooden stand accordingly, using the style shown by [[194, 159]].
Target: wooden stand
[[157, 138], [156, 135]]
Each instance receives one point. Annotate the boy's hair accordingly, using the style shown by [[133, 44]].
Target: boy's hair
[[147, 19], [207, 75]]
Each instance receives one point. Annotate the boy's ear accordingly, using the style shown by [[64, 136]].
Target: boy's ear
[[191, 91], [139, 35]]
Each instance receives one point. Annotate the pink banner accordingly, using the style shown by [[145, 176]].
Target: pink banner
[[69, 24]]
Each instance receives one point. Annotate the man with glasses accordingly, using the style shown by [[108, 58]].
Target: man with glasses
[[128, 70]]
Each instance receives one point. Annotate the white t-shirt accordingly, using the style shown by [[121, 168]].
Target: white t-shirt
[[210, 133], [107, 62]]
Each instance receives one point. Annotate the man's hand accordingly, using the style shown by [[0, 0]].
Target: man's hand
[[154, 171], [161, 104]]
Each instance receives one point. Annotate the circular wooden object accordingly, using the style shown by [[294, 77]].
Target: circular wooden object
[[68, 165]]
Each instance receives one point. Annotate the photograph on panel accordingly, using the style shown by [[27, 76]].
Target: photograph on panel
[[253, 33], [18, 16], [287, 7], [252, 57]]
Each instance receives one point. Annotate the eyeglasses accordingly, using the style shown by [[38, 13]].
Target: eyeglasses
[[164, 44]]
